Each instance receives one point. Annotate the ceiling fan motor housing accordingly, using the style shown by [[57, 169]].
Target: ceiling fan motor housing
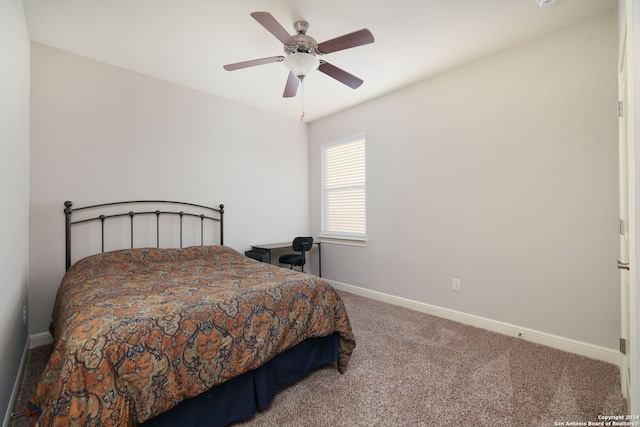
[[304, 43]]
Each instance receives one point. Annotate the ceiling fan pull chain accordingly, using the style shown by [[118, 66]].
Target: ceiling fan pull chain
[[302, 99]]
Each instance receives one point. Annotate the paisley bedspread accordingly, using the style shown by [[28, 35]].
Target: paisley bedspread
[[136, 331]]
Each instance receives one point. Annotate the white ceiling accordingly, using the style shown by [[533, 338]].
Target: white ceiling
[[188, 41]]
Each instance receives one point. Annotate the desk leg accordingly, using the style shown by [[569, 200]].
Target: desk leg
[[319, 259]]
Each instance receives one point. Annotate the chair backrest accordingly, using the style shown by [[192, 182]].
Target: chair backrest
[[302, 244]]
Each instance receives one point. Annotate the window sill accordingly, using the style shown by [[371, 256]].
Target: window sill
[[347, 241]]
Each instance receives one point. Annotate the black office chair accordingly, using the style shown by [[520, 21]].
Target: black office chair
[[302, 245]]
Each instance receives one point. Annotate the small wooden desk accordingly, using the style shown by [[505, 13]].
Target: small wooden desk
[[268, 247]]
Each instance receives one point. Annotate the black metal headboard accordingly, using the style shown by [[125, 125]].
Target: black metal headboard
[[214, 214]]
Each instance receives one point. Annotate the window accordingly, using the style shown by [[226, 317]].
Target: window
[[344, 189]]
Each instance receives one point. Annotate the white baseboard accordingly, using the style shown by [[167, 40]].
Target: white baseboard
[[16, 386], [33, 341], [561, 343], [37, 340]]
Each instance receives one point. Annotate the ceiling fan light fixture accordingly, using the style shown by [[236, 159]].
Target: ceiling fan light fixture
[[301, 63]]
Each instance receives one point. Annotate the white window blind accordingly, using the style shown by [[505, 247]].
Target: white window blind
[[344, 189]]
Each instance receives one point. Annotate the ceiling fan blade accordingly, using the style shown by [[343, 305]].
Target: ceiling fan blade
[[269, 22], [291, 88], [253, 63], [339, 74], [357, 38]]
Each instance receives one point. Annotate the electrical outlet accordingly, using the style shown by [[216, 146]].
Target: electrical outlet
[[455, 285], [24, 315]]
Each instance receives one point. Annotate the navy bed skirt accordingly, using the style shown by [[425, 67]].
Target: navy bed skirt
[[239, 398]]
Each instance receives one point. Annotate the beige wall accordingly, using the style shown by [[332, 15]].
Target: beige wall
[[14, 191], [501, 173], [101, 133]]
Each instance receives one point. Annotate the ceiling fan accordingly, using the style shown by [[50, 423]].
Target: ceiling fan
[[301, 53]]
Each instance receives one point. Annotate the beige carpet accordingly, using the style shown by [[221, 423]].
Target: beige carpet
[[413, 369]]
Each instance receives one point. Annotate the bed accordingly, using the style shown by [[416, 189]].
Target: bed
[[190, 336]]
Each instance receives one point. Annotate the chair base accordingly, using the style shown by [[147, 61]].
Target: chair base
[[293, 265]]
